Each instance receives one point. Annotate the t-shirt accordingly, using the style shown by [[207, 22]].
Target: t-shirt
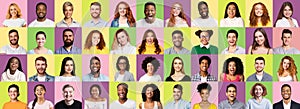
[[15, 105], [62, 105], [46, 23], [156, 23], [19, 22], [46, 105], [154, 78], [129, 104]]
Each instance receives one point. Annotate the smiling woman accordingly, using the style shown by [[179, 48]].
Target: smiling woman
[[40, 102], [177, 71], [67, 71], [13, 70], [95, 101], [258, 91], [151, 97], [40, 38], [13, 17]]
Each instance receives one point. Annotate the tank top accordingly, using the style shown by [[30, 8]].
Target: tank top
[[154, 107], [237, 79]]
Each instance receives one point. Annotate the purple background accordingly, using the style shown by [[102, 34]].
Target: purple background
[[186, 5], [250, 33], [59, 37], [86, 90], [240, 95], [5, 58], [213, 68], [277, 5], [32, 11], [141, 72], [49, 90]]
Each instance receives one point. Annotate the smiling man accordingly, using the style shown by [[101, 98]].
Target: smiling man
[[177, 39], [286, 102], [204, 47], [68, 48], [150, 20], [233, 48], [178, 102], [123, 102], [286, 47], [204, 20], [69, 102], [14, 103], [96, 21], [41, 75], [203, 75], [231, 102], [13, 47], [41, 20], [260, 74], [95, 75]]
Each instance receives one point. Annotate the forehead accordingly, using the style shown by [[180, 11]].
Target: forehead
[[231, 89], [259, 61], [41, 6], [286, 88], [287, 34], [176, 89], [68, 89], [68, 32], [177, 35], [150, 7], [95, 6], [13, 34], [12, 89]]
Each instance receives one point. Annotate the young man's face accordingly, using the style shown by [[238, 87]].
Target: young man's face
[[259, 65], [177, 40], [231, 94], [41, 11], [203, 11], [13, 38], [231, 39], [40, 66], [68, 38], [150, 12], [68, 93], [95, 11], [95, 66], [122, 93], [204, 65], [13, 93], [286, 93], [286, 39], [177, 94]]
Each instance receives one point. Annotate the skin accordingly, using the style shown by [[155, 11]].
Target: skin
[[150, 69], [149, 104], [204, 94], [40, 92], [68, 12], [40, 40], [258, 91], [231, 11], [95, 93], [286, 39], [259, 38], [13, 94], [259, 66], [286, 64], [286, 94], [177, 65], [150, 38], [95, 39], [177, 40], [122, 38], [69, 68], [232, 68], [231, 94], [68, 94], [122, 65], [177, 94], [203, 67], [231, 39], [258, 10], [176, 10], [150, 13], [13, 12], [40, 67], [68, 37], [203, 11], [14, 65], [13, 39], [122, 93], [95, 11], [41, 13], [204, 38], [95, 66], [287, 12], [122, 10]]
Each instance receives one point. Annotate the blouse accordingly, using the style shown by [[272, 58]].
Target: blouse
[[62, 78], [232, 22], [95, 105], [284, 22], [211, 106]]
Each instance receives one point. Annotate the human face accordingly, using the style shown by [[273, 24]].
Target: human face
[[95, 11], [13, 38], [149, 92], [122, 64], [287, 39], [68, 93], [178, 65], [204, 38], [68, 38], [40, 66], [122, 10], [69, 67], [259, 38], [95, 66], [204, 65], [14, 64], [41, 11], [13, 11], [122, 38], [40, 40], [231, 39], [258, 10], [68, 11], [177, 94], [287, 12], [259, 65], [122, 93], [286, 93], [231, 67], [204, 94], [150, 38], [40, 92], [203, 11], [231, 11], [231, 94], [258, 91], [95, 39], [286, 64], [95, 93], [150, 68], [176, 10], [13, 93], [150, 12], [177, 40]]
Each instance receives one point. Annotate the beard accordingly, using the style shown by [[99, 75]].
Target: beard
[[16, 43], [68, 44]]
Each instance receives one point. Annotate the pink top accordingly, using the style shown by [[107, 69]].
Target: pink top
[[237, 79]]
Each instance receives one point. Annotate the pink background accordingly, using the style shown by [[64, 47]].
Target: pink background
[[277, 91], [213, 98], [159, 32], [4, 4], [59, 93], [277, 32], [86, 64], [114, 3]]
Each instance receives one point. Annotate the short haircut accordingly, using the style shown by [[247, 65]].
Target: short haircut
[[177, 32], [13, 30], [40, 3], [96, 3], [232, 31], [286, 31], [201, 3], [210, 32], [149, 3], [94, 58], [40, 32], [178, 86], [286, 85], [14, 86], [68, 30], [260, 58], [127, 63], [41, 58], [124, 85], [202, 86], [252, 91], [97, 86], [66, 4], [231, 85], [151, 60], [205, 58], [66, 86]]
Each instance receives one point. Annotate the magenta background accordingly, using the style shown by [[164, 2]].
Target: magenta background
[[159, 32], [277, 37], [141, 72], [195, 96], [277, 91], [277, 5], [86, 90], [49, 90], [5, 58], [59, 93], [250, 33], [59, 36], [31, 8], [213, 68], [240, 91], [4, 4], [104, 64], [114, 3], [186, 5]]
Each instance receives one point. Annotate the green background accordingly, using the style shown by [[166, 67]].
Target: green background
[[86, 16], [49, 38], [223, 38], [77, 61], [268, 85], [4, 92], [168, 58], [186, 35], [222, 5], [140, 8], [131, 32], [276, 62]]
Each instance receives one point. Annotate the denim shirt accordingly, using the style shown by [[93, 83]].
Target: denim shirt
[[35, 78], [115, 23]]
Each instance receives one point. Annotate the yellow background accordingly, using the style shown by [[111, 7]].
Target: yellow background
[[267, 3], [114, 58], [59, 14], [22, 36], [105, 33], [31, 70]]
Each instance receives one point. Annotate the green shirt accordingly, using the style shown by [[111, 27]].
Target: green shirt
[[211, 50]]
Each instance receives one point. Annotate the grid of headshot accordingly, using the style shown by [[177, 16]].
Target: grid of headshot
[[149, 54]]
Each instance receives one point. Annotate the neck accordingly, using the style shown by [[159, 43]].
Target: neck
[[150, 74], [286, 101], [97, 19], [68, 48], [122, 101], [41, 74], [123, 17], [231, 102], [149, 21], [12, 72], [204, 17], [96, 74], [258, 98], [68, 19], [259, 73], [14, 46], [176, 101], [149, 100], [232, 47], [40, 100], [203, 73], [41, 19], [122, 71], [69, 102], [40, 47], [14, 100], [67, 75], [177, 48]]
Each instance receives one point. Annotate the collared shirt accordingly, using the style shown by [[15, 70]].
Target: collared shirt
[[207, 49], [172, 51], [63, 23], [63, 50], [281, 50], [90, 77], [286, 106], [236, 105], [206, 46], [266, 77], [35, 78], [9, 50], [181, 104], [197, 77], [100, 23], [238, 50]]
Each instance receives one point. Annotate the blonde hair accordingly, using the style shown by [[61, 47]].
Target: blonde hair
[[8, 15]]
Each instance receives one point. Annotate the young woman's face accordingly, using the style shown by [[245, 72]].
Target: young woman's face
[[259, 10], [231, 11], [95, 92], [95, 39], [68, 11], [14, 64], [150, 38], [40, 40], [69, 67], [204, 94], [232, 67], [258, 91], [176, 9], [286, 64], [150, 68], [149, 92], [40, 92], [177, 65], [122, 38], [13, 11], [259, 38], [287, 12], [122, 64], [122, 9]]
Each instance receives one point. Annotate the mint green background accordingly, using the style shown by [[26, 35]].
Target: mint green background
[[168, 58], [140, 8], [268, 85], [86, 16], [223, 38], [276, 61], [49, 38], [222, 5], [131, 32]]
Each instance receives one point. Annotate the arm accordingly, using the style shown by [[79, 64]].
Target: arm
[[242, 78], [105, 105], [140, 106], [278, 76], [250, 49], [222, 77], [295, 78]]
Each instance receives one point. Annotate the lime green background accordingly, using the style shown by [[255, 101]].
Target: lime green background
[[195, 40], [113, 91], [213, 10], [223, 38], [277, 59], [222, 5], [49, 38], [168, 94], [77, 61], [268, 85], [131, 32], [186, 35], [86, 16], [250, 61], [168, 58], [140, 8], [4, 92]]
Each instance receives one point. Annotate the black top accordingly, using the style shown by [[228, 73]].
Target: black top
[[279, 105], [185, 78], [62, 105]]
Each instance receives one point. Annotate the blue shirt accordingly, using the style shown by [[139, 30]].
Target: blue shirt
[[90, 77], [236, 105], [35, 78], [182, 104], [62, 50], [100, 23]]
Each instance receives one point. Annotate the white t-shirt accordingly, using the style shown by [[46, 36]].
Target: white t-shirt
[[154, 78], [234, 22], [120, 77], [43, 78], [46, 23], [157, 23], [19, 22], [62, 78], [129, 104], [9, 50], [209, 22], [46, 105]]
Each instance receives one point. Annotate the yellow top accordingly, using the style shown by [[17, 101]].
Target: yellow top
[[260, 25], [94, 50], [150, 48], [211, 106]]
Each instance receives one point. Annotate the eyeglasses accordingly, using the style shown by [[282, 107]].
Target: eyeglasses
[[122, 63]]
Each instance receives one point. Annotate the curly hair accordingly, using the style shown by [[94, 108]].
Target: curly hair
[[115, 44], [265, 18], [292, 69], [202, 86], [252, 91], [88, 42], [10, 60], [238, 63], [19, 14], [129, 15], [172, 20], [172, 68], [156, 92], [280, 13], [237, 13], [142, 48], [97, 86], [266, 43], [151, 60]]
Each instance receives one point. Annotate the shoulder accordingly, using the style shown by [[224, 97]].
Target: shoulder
[[186, 78], [169, 78], [31, 51]]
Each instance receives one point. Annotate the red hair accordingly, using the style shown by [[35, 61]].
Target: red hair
[[172, 21], [265, 18], [128, 14]]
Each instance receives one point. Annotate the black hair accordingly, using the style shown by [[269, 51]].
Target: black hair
[[238, 63], [232, 31], [40, 3], [97, 86], [230, 85], [40, 32], [178, 86], [286, 85], [237, 13], [205, 58], [201, 3], [63, 64], [151, 60], [127, 63], [156, 92], [203, 86], [66, 86], [260, 58], [149, 3], [9, 61], [124, 85], [177, 32], [13, 30], [35, 99], [286, 31], [68, 29], [14, 86]]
